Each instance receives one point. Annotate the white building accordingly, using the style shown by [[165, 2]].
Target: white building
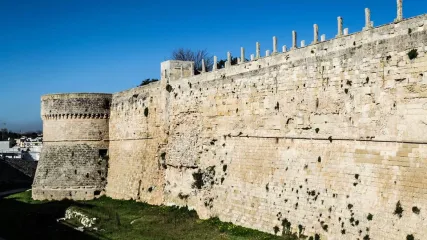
[[24, 150]]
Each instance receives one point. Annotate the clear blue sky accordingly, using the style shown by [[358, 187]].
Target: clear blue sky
[[57, 46]]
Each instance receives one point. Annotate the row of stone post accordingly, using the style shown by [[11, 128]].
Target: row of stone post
[[341, 32], [257, 55]]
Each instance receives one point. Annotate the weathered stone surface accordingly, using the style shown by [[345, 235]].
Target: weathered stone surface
[[399, 11], [17, 171], [284, 49], [228, 64], [215, 63], [203, 66], [368, 23], [323, 38], [73, 161], [294, 40], [176, 69], [330, 138], [340, 31], [315, 33], [138, 138], [274, 45], [26, 167]]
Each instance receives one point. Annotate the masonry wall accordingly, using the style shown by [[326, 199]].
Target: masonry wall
[[137, 138], [26, 167], [325, 140], [17, 172], [74, 158]]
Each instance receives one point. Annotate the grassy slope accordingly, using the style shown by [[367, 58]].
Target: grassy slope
[[114, 218]]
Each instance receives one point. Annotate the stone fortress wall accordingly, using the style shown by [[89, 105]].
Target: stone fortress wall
[[326, 140], [73, 161]]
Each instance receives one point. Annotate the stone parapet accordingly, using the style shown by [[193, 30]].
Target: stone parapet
[[75, 105]]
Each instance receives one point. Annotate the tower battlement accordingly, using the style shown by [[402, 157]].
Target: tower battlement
[[75, 105], [74, 156]]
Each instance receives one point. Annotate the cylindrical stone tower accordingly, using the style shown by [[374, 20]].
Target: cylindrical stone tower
[[74, 159]]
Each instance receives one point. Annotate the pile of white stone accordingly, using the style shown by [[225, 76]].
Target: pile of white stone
[[86, 221]]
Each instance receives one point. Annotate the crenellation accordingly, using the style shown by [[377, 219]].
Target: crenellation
[[75, 116], [284, 49], [399, 11], [274, 45], [359, 37], [228, 63], [294, 40], [323, 38], [340, 27], [215, 63], [345, 31], [368, 23], [316, 33], [203, 66]]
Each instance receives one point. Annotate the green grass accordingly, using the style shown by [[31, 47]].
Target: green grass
[[19, 212]]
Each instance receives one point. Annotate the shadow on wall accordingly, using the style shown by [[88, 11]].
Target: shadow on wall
[[19, 220], [14, 176]]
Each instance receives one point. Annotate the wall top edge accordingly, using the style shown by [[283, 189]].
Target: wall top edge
[[75, 95], [228, 71], [335, 44], [148, 87]]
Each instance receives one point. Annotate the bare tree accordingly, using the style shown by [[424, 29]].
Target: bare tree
[[195, 56], [148, 81]]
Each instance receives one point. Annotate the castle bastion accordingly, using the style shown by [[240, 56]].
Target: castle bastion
[[74, 156], [327, 139]]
